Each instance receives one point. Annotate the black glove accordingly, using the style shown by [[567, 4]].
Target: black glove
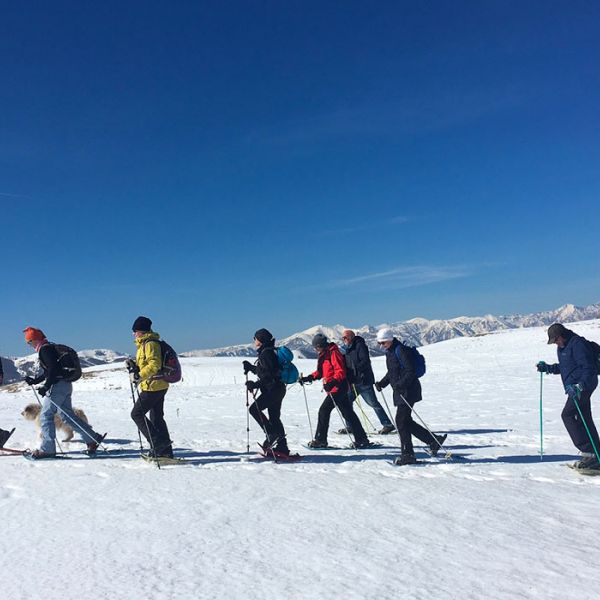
[[330, 385], [306, 379], [542, 367], [252, 385], [42, 390], [248, 367], [379, 386], [132, 366], [29, 380]]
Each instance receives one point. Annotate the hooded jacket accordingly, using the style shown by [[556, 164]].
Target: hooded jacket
[[149, 362], [358, 363], [576, 363], [267, 368], [401, 374], [331, 365]]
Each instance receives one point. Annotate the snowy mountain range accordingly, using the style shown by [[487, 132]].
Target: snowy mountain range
[[418, 331]]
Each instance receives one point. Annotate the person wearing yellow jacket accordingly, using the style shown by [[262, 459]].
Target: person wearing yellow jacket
[[146, 371]]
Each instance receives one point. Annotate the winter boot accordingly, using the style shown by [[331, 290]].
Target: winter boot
[[4, 435], [386, 429], [362, 444], [318, 444], [93, 446], [588, 461], [438, 442], [344, 431], [405, 459]]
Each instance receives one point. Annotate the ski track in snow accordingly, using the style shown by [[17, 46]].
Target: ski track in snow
[[497, 524]]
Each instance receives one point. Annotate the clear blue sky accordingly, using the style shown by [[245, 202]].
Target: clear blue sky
[[225, 166]]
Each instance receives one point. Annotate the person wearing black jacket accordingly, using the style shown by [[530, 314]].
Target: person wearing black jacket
[[361, 379], [272, 391], [56, 393], [407, 391]]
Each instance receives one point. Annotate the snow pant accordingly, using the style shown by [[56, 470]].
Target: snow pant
[[271, 400], [58, 400], [368, 395], [153, 427], [407, 427], [575, 425], [342, 400]]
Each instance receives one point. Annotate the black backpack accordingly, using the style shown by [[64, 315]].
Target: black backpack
[[68, 362], [171, 367], [596, 352]]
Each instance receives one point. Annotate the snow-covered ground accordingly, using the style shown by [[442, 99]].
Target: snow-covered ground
[[498, 524]]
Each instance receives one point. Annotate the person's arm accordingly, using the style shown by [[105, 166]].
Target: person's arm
[[49, 361], [267, 368], [153, 358]]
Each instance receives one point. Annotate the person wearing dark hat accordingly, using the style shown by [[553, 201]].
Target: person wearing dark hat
[[332, 369], [145, 372], [577, 368], [56, 393], [272, 391]]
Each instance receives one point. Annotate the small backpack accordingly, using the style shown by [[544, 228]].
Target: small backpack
[[418, 359], [68, 361], [288, 371], [596, 352], [171, 367]]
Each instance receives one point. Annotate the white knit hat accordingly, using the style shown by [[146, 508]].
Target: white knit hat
[[385, 335]]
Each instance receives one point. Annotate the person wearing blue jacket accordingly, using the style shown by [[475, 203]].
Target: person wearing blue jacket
[[577, 368]]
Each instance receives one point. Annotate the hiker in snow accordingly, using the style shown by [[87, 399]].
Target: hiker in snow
[[147, 365], [406, 392], [578, 370], [331, 368], [272, 391], [361, 379], [56, 393]]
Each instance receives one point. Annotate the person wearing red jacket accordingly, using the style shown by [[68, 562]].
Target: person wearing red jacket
[[332, 369]]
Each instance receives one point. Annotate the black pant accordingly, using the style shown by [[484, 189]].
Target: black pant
[[154, 428], [344, 404], [575, 426], [407, 427], [271, 400]]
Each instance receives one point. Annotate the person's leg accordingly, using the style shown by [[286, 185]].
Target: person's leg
[[575, 426], [162, 441], [403, 425], [142, 405], [257, 408], [47, 428], [347, 410], [323, 421], [67, 414], [368, 393], [275, 418]]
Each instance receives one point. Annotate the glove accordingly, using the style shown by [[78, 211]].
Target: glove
[[252, 385], [306, 379], [134, 377], [132, 366], [330, 385], [29, 380], [379, 385], [42, 390], [574, 390], [248, 367], [542, 367]]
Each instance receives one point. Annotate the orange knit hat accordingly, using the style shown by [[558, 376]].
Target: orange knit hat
[[31, 333]]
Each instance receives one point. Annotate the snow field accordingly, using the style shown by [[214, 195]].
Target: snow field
[[498, 524]]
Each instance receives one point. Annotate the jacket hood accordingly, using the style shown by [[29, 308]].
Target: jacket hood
[[151, 335]]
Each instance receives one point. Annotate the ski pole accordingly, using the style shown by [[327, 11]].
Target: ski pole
[[541, 418], [586, 425], [366, 418], [307, 411], [247, 417], [40, 403], [353, 442], [133, 400], [433, 437]]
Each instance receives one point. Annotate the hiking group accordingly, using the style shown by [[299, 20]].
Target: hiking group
[[346, 373]]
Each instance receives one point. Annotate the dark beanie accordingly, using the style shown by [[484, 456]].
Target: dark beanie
[[264, 336], [320, 341], [142, 324]]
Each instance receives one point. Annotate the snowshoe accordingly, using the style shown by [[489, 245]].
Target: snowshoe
[[39, 455], [386, 430], [362, 445], [318, 444]]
